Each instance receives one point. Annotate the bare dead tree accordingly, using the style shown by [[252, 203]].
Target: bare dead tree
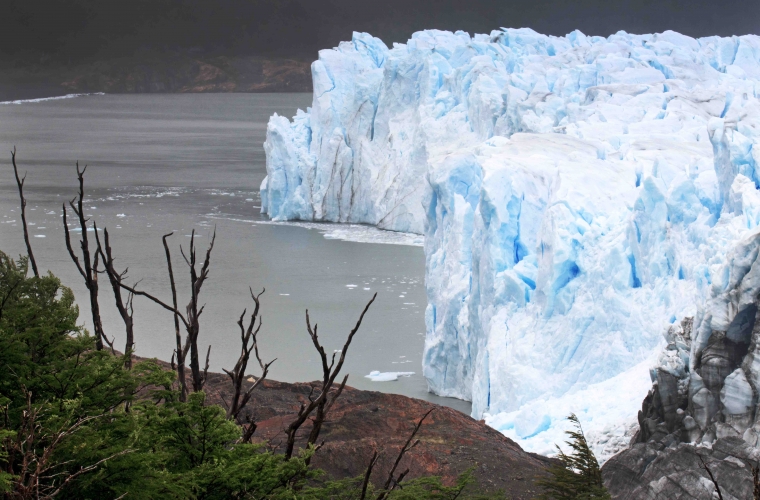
[[191, 318], [124, 306], [326, 398], [179, 351], [20, 183], [89, 266], [249, 343], [32, 451], [194, 312], [393, 481], [712, 478]]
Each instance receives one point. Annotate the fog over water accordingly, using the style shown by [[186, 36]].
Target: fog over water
[[163, 163]]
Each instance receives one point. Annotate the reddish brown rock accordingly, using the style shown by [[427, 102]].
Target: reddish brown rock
[[363, 421]]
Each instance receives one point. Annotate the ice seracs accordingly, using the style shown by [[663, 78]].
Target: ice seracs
[[575, 193]]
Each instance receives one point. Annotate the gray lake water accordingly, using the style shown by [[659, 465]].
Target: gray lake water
[[162, 163]]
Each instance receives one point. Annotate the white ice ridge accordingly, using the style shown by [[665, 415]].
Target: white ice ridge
[[576, 194]]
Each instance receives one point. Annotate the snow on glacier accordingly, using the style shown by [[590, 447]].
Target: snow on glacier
[[577, 195]]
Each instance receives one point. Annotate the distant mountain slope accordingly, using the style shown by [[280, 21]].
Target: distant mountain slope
[[50, 47], [151, 73]]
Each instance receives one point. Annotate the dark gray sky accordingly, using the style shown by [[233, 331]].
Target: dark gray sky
[[85, 29]]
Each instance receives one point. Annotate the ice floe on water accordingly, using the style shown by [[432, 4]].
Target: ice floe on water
[[44, 99], [377, 376], [356, 233]]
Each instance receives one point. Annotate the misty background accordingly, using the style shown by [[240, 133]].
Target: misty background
[[50, 47]]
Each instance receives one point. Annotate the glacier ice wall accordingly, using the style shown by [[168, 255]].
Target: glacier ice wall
[[576, 194]]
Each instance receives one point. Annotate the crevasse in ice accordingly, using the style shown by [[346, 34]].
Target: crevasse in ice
[[577, 195]]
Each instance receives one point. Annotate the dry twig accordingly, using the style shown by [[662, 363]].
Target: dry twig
[[249, 343], [392, 482], [90, 270], [325, 400], [124, 307], [20, 183]]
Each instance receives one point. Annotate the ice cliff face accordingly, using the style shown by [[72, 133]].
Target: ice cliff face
[[576, 194]]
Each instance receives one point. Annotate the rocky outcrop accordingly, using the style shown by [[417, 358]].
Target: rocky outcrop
[[704, 399], [654, 471], [706, 383], [363, 421]]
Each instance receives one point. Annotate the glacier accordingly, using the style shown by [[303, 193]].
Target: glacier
[[578, 197]]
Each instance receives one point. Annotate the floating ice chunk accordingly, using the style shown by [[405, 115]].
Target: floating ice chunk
[[351, 286], [39, 236], [377, 376], [120, 215]]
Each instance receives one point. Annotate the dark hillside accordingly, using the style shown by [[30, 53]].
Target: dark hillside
[[58, 46]]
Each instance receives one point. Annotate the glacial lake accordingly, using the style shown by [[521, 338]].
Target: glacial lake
[[163, 163]]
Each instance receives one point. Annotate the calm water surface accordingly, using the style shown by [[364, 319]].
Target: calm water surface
[[163, 163]]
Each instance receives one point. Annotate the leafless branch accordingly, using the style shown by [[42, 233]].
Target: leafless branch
[[329, 373], [124, 306], [192, 313], [85, 470], [31, 453], [249, 343], [204, 377], [179, 352], [88, 272], [368, 473], [20, 184], [392, 482]]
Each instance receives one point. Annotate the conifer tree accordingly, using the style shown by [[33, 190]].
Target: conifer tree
[[577, 476]]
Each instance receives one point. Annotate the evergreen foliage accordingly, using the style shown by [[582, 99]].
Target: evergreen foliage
[[577, 476], [76, 424]]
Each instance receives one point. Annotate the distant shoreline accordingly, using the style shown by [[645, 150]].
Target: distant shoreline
[[156, 73], [21, 96]]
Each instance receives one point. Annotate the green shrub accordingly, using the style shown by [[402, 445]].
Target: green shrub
[[76, 424], [577, 476]]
